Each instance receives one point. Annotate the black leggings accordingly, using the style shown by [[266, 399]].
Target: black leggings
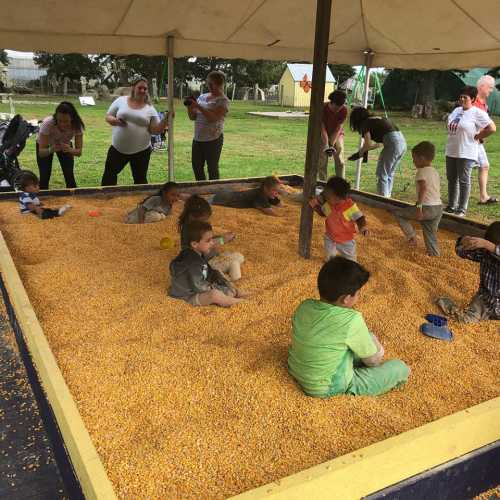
[[209, 152], [67, 163], [116, 161]]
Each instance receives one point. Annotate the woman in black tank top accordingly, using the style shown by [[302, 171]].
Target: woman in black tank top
[[376, 131]]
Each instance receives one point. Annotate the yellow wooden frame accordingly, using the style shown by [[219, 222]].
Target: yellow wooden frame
[[351, 476], [84, 457], [383, 464]]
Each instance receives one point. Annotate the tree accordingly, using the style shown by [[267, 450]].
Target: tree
[[4, 58], [123, 68], [201, 66], [71, 65], [404, 88], [240, 72], [247, 73], [342, 72]]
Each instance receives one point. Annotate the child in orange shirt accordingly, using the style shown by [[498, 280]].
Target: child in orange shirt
[[343, 218]]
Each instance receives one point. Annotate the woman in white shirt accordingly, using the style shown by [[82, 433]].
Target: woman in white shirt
[[208, 113], [467, 125], [134, 120]]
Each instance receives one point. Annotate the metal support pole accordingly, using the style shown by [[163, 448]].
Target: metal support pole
[[321, 37], [368, 63], [170, 97]]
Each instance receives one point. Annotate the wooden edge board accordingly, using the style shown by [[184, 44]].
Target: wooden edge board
[[84, 457], [371, 469], [450, 222]]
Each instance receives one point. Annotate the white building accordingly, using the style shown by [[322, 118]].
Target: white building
[[22, 68]]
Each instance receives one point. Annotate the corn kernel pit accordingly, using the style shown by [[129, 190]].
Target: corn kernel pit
[[185, 402]]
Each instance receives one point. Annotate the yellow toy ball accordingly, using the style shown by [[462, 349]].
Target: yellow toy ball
[[166, 243]]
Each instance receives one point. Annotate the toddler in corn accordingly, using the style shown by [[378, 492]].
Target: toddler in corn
[[192, 277], [29, 203], [343, 219], [197, 208]]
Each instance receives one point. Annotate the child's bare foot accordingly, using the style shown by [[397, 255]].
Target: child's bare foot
[[64, 209], [412, 241], [241, 294]]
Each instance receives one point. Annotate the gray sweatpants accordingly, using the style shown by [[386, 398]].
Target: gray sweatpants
[[458, 173], [346, 249], [432, 217]]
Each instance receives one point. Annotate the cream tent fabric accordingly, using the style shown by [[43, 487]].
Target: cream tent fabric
[[402, 33]]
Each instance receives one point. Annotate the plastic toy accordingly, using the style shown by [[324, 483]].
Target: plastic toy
[[166, 243], [94, 213]]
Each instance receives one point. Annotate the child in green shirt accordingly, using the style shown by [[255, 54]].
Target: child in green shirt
[[332, 350]]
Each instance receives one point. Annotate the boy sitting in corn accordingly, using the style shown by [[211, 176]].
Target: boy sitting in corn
[[342, 218], [192, 278], [332, 350]]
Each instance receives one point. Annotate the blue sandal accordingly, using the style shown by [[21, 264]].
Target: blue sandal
[[437, 320], [436, 332]]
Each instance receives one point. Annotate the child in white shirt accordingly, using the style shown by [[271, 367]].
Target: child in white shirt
[[428, 209]]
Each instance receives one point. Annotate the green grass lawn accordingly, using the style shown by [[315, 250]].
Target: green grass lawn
[[254, 146]]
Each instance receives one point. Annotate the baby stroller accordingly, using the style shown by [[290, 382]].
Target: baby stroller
[[159, 141], [13, 136]]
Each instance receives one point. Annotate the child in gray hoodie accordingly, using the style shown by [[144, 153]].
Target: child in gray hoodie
[[192, 278]]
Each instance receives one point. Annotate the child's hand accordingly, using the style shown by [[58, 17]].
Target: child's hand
[[66, 148], [473, 243], [420, 214], [314, 202], [228, 237], [365, 231]]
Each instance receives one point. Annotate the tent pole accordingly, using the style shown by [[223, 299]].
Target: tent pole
[[321, 38], [368, 63], [170, 94]]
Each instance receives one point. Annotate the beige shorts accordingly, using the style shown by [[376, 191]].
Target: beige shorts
[[229, 264]]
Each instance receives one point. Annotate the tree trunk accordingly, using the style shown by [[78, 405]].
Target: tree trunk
[[427, 94]]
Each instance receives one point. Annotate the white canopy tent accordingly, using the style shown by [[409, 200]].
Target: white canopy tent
[[422, 34]]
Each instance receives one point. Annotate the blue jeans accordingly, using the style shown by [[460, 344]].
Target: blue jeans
[[458, 172], [390, 156]]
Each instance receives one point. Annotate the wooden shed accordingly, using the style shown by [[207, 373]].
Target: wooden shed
[[296, 83]]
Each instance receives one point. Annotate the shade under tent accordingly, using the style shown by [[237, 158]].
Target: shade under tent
[[423, 34]]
